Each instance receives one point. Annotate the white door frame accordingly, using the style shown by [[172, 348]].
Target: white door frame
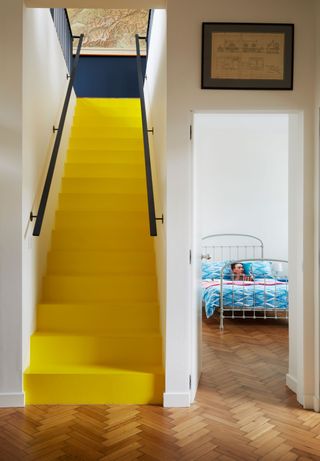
[[302, 363]]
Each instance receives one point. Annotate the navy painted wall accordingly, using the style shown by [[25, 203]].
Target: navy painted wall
[[107, 77]]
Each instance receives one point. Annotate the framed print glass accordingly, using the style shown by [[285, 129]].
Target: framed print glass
[[247, 56]]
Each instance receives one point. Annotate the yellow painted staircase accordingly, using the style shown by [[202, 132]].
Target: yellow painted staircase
[[98, 339]]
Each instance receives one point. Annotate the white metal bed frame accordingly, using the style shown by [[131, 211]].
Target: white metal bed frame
[[245, 249]]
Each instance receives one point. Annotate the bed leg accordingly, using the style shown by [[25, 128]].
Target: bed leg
[[221, 323]]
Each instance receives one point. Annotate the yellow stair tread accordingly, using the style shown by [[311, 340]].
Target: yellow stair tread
[[130, 334], [116, 304], [93, 369]]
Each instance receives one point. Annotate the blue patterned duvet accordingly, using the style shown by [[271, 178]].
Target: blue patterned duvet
[[261, 294]]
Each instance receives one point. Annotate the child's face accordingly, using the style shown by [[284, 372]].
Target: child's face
[[238, 269]]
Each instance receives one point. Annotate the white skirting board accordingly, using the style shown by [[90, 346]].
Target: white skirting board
[[292, 383], [176, 399], [12, 400], [310, 402]]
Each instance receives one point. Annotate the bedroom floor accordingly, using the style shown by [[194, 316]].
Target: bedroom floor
[[243, 412]]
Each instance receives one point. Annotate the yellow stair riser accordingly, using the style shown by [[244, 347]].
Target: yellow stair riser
[[99, 288], [86, 103], [103, 202], [104, 131], [97, 318], [136, 388], [82, 120], [100, 262], [120, 351], [103, 112], [81, 240], [103, 220], [126, 107], [130, 157], [105, 143], [100, 185], [78, 170]]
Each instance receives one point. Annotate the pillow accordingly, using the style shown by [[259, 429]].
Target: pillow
[[259, 269], [206, 270], [247, 267], [212, 270]]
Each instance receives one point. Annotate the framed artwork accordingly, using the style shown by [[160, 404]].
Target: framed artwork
[[247, 56], [109, 32]]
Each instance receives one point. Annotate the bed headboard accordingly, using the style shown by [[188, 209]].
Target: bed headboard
[[221, 247]]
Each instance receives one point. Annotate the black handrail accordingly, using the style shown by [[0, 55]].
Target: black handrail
[[47, 184], [152, 213]]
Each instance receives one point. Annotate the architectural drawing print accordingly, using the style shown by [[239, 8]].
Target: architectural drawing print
[[247, 55]]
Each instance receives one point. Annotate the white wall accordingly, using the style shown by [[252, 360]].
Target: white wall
[[10, 203], [316, 211], [44, 89], [184, 96], [156, 105], [243, 177]]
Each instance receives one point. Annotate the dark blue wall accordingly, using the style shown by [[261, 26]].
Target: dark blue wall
[[107, 77]]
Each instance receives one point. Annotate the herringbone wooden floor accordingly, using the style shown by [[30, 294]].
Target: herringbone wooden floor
[[243, 412]]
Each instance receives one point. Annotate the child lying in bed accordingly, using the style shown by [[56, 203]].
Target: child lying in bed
[[237, 270]]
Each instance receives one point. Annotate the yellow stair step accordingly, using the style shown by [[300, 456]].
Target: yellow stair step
[[112, 350], [103, 170], [116, 111], [87, 103], [100, 262], [102, 219], [67, 288], [123, 157], [105, 143], [103, 202], [101, 185], [96, 240], [94, 385], [93, 318], [94, 121], [105, 131]]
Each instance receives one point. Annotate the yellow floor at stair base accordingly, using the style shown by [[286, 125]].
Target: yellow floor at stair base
[[94, 385]]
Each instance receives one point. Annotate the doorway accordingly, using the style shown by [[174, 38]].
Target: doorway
[[247, 175]]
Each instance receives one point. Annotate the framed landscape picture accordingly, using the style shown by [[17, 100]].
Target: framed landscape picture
[[247, 56]]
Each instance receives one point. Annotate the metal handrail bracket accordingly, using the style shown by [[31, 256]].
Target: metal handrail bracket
[[46, 189]]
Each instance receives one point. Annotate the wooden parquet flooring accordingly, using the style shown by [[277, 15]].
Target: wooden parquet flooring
[[243, 412]]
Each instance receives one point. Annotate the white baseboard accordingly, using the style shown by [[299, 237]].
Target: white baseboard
[[12, 400], [292, 383], [308, 402], [176, 399], [311, 402]]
